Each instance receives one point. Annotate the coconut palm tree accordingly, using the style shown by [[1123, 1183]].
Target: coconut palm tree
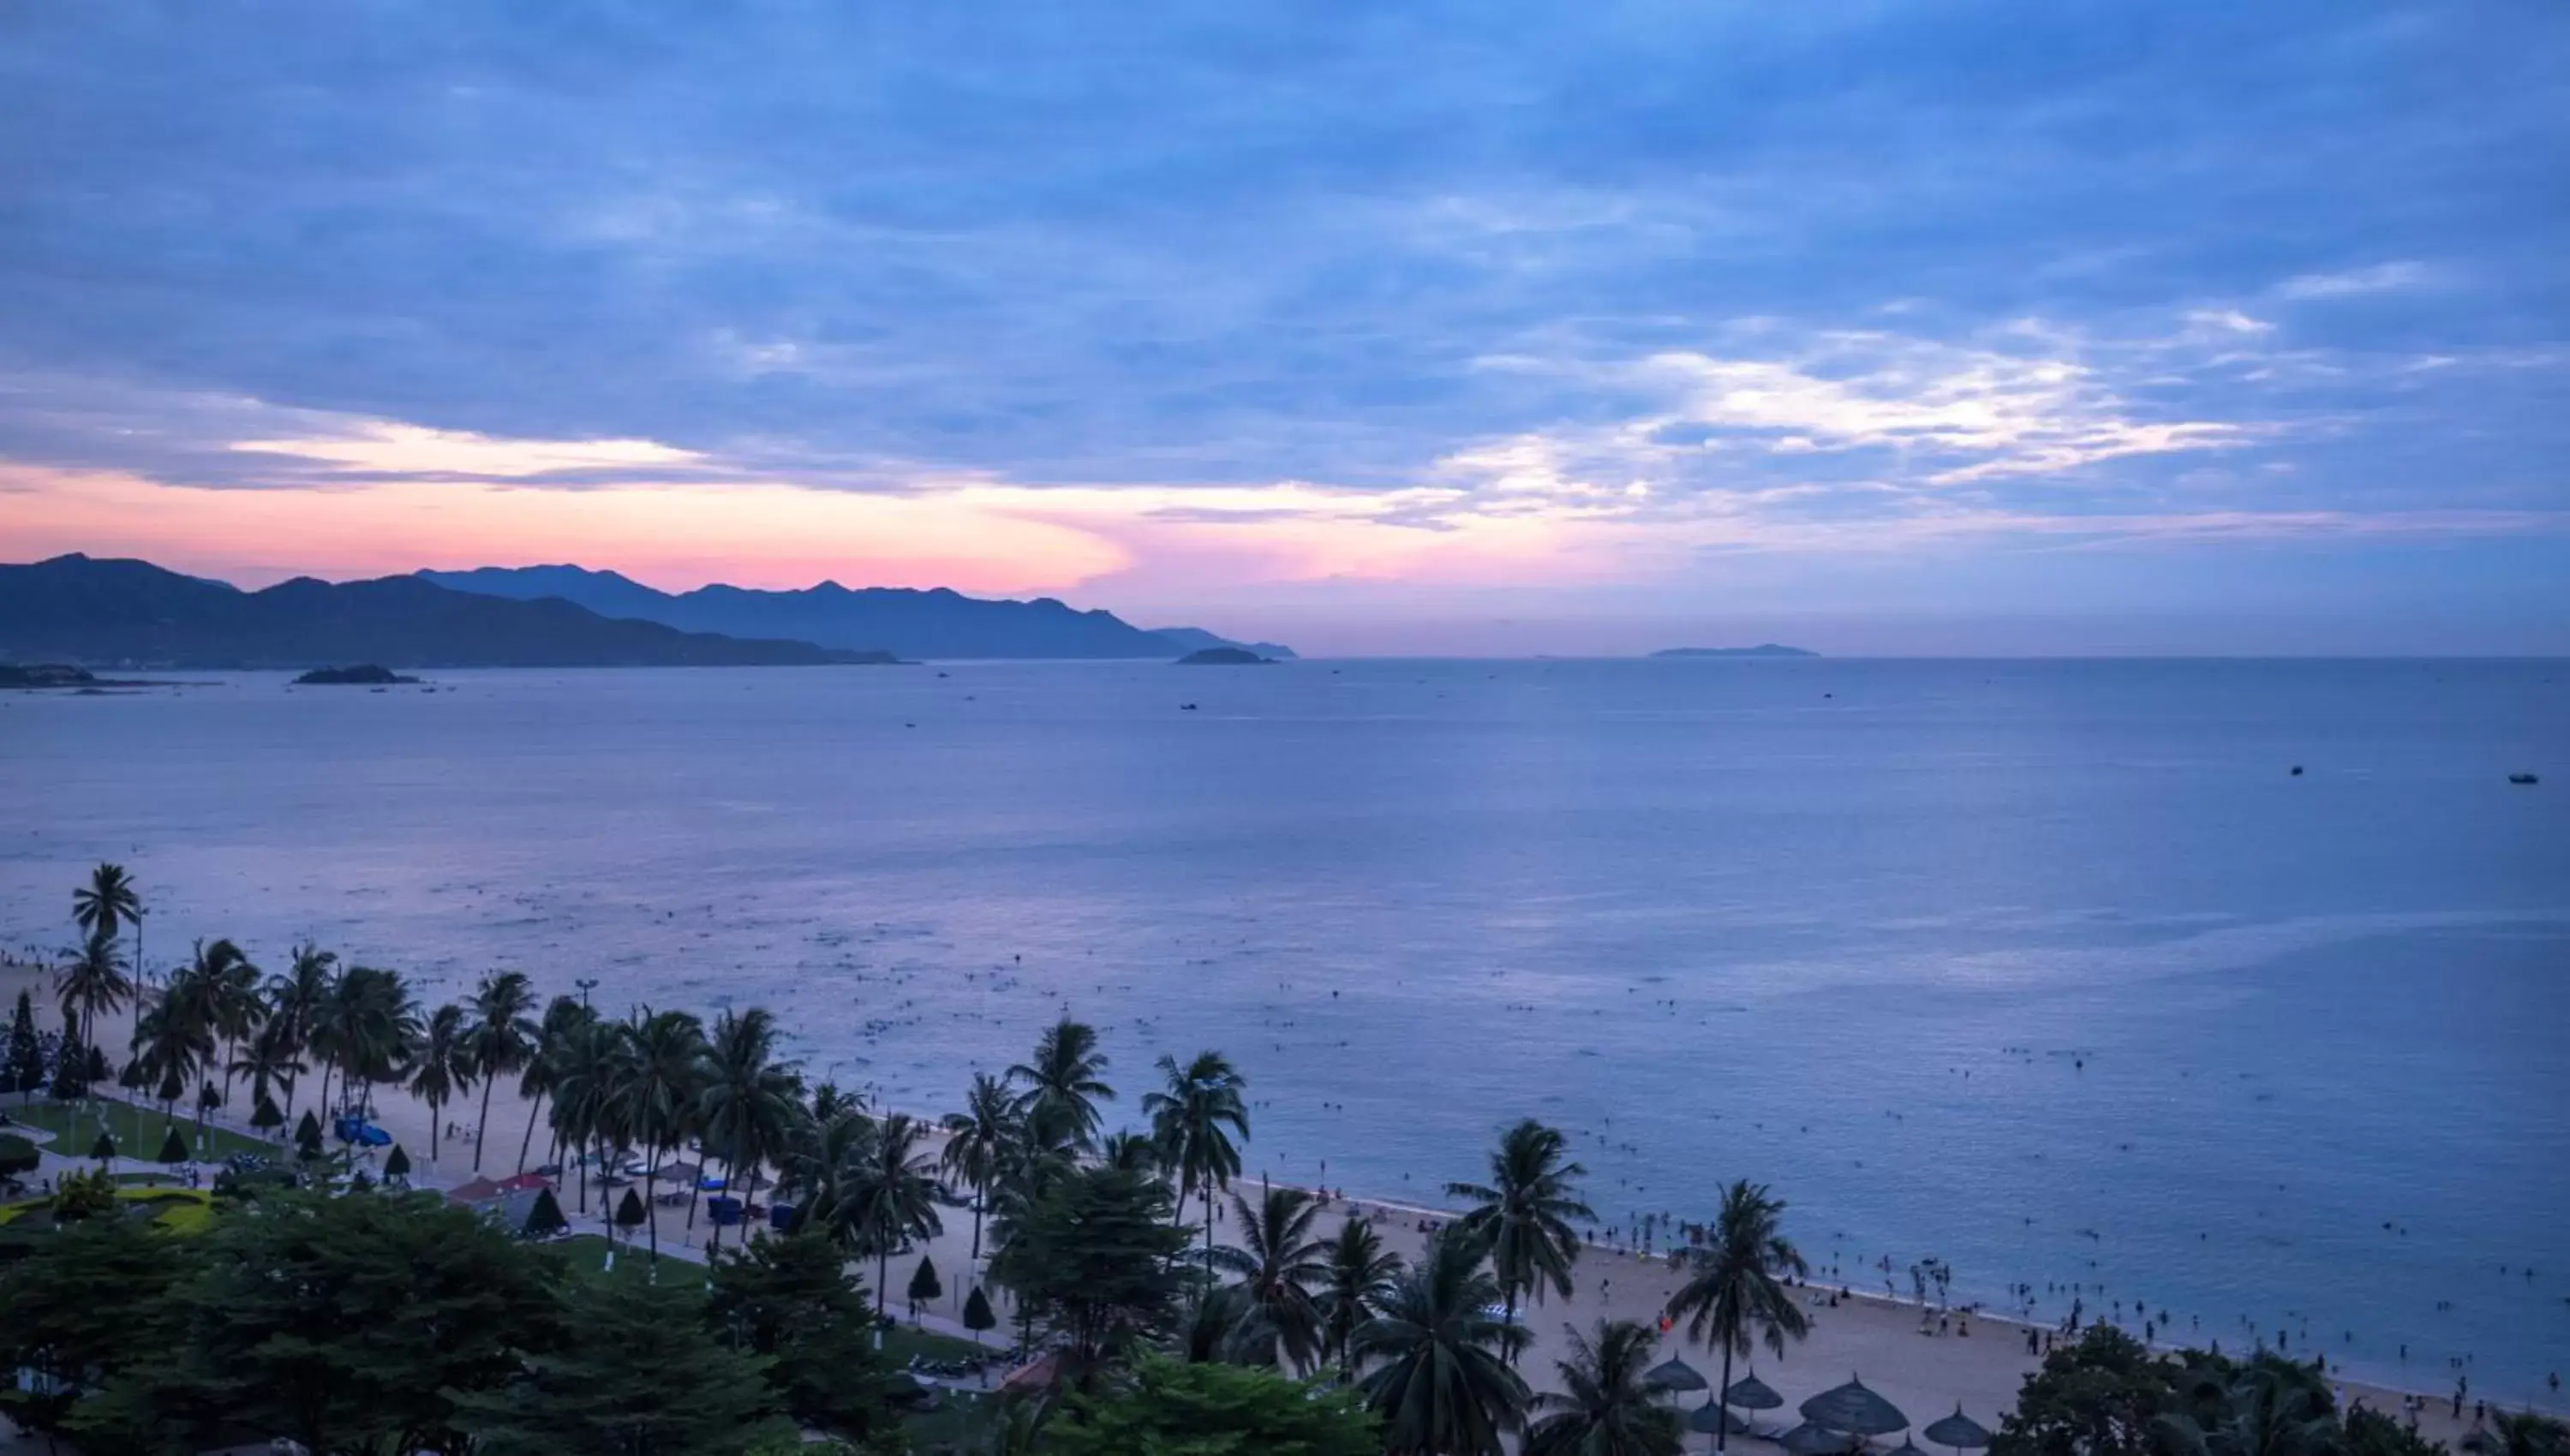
[[167, 1046], [978, 1141], [821, 1160], [107, 904], [1735, 1294], [1439, 1381], [563, 1017], [1524, 1214], [1280, 1263], [655, 1101], [295, 1002], [2267, 1407], [234, 1000], [594, 1058], [268, 1061], [752, 1102], [1132, 1152], [1604, 1409], [501, 1040], [1190, 1116], [1357, 1271], [1060, 1087], [366, 1031], [886, 1199], [2519, 1433], [442, 1066], [90, 984]]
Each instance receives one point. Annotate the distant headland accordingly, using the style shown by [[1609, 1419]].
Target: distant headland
[[363, 675], [1762, 649], [1225, 658]]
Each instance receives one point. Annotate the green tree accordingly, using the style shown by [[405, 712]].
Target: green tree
[[91, 985], [978, 1316], [886, 1199], [1062, 1085], [1356, 1273], [174, 1146], [751, 1104], [22, 1064], [1523, 1214], [1165, 1408], [308, 1137], [1604, 1407], [1094, 1259], [925, 1286], [104, 1150], [502, 1040], [1279, 1263], [638, 1376], [397, 1165], [595, 1057], [297, 1002], [271, 1061], [629, 1214], [654, 1099], [2267, 1407], [1440, 1380], [442, 1067], [348, 1323], [2098, 1395], [77, 1308], [565, 1017], [979, 1142], [546, 1219], [1735, 1292], [366, 1031], [1194, 1115], [17, 1156], [791, 1302], [2516, 1433], [108, 904]]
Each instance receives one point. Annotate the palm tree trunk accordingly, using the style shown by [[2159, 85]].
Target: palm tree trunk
[[732, 1174], [978, 1196], [651, 1204], [534, 1109], [883, 1291], [482, 1125], [1510, 1327], [1208, 1250], [436, 1124], [1722, 1425]]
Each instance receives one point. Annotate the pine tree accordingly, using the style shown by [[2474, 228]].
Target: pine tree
[[976, 1313], [104, 1150], [396, 1164], [639, 1375], [174, 1146], [546, 1219], [265, 1116], [629, 1214], [924, 1286], [22, 1064], [308, 1138]]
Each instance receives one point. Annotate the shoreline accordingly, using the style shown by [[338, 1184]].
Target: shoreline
[[1876, 1337]]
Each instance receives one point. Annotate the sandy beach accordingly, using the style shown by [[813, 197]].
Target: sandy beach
[[1977, 1363]]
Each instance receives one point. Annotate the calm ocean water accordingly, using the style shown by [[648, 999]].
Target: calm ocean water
[[2050, 969]]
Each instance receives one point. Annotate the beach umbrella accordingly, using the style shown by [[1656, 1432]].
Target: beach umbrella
[[1905, 1448], [1957, 1430], [1811, 1440], [1751, 1394], [1700, 1420], [1854, 1410], [1675, 1374]]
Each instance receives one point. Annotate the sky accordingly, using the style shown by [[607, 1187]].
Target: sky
[[1480, 327]]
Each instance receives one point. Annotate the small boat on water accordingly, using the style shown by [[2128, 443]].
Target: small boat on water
[[2523, 779]]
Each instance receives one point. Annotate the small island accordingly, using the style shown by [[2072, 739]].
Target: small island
[[1762, 649], [1225, 658], [30, 676], [363, 675]]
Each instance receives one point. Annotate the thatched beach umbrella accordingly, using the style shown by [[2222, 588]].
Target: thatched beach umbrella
[[1905, 1448], [1751, 1394], [1811, 1440], [1701, 1421], [1675, 1374], [1957, 1430], [1854, 1410]]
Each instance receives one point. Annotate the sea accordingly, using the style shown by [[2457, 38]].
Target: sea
[[2238, 990]]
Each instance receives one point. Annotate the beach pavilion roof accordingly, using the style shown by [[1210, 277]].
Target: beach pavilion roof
[[1854, 1410], [1675, 1374], [1957, 1430], [1751, 1394], [1811, 1440], [1700, 1420]]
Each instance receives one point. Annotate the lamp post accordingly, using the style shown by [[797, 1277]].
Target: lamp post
[[587, 985]]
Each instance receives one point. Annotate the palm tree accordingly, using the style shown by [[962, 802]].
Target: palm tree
[[502, 1040], [268, 1061], [167, 1046], [751, 1103], [564, 1015], [366, 1031], [1357, 1271], [92, 983], [887, 1199], [2267, 1407], [1189, 1116], [655, 1101], [821, 1160], [1525, 1214], [1735, 1296], [237, 1009], [108, 903], [593, 1065], [1604, 1409], [442, 1067], [1062, 1085], [2520, 1433], [978, 1141], [1280, 1263], [296, 1003], [1439, 1381], [1132, 1152]]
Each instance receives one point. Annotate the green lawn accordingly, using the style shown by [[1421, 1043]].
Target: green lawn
[[902, 1341], [138, 1130]]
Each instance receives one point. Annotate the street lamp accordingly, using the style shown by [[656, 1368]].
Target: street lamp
[[587, 985]]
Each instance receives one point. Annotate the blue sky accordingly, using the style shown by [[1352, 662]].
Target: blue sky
[[1490, 327]]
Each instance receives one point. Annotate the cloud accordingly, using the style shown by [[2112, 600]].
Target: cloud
[[2389, 277]]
